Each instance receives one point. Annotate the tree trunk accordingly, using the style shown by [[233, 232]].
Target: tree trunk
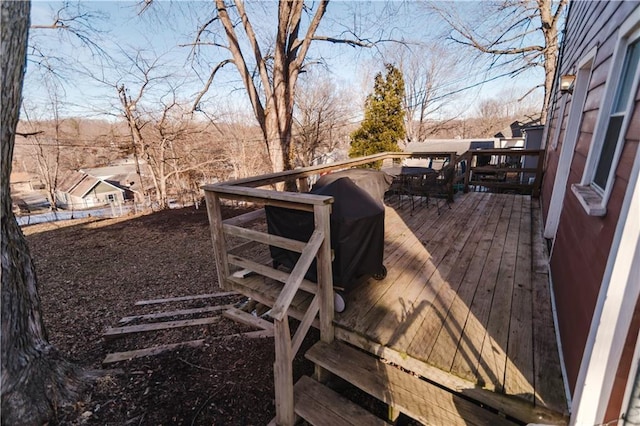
[[35, 378]]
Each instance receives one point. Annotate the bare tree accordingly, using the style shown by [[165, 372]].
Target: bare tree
[[169, 151], [321, 120], [429, 75], [35, 377], [159, 124], [269, 67], [517, 33], [46, 148]]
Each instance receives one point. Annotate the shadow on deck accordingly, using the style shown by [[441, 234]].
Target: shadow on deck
[[465, 303]]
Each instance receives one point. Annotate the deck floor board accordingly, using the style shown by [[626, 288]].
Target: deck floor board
[[465, 303], [465, 293]]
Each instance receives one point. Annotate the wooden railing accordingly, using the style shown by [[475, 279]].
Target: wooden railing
[[318, 247], [499, 170]]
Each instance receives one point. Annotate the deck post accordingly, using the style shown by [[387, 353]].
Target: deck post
[[467, 171], [283, 374], [535, 191], [325, 274], [217, 236], [303, 184], [325, 283]]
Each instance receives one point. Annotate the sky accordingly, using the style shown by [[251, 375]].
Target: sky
[[86, 74]]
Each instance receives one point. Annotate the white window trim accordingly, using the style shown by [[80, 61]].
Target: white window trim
[[571, 134], [593, 200]]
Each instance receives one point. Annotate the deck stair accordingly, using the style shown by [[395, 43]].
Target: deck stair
[[401, 390], [319, 406]]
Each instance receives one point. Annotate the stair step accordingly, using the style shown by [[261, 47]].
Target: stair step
[[403, 391], [321, 406]]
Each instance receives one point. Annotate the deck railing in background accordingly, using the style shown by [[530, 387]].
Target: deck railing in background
[[502, 170]]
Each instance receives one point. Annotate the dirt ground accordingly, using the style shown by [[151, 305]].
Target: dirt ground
[[92, 272]]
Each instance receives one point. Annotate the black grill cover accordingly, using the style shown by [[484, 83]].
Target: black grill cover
[[357, 232], [375, 182]]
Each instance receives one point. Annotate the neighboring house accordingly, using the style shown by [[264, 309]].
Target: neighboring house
[[80, 190], [591, 207]]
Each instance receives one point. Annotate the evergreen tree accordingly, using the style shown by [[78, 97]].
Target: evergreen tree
[[383, 124]]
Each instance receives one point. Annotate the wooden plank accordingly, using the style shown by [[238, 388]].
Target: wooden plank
[[422, 278], [245, 218], [306, 322], [185, 298], [271, 178], [265, 238], [283, 374], [493, 354], [509, 406], [214, 213], [320, 406], [539, 251], [465, 362], [292, 285], [446, 343], [438, 295], [414, 397], [322, 218], [292, 200], [114, 332], [266, 292], [182, 312], [247, 319], [519, 377], [405, 248], [254, 334], [549, 385], [156, 350], [268, 271]]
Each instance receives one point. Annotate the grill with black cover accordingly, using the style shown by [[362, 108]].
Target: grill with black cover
[[357, 233]]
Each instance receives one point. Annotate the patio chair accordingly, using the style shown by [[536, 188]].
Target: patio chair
[[421, 186], [399, 188], [442, 186]]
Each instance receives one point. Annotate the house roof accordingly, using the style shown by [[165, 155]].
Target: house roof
[[123, 176], [514, 130], [80, 184], [460, 146]]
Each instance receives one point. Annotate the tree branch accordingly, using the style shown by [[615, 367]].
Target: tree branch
[[218, 67]]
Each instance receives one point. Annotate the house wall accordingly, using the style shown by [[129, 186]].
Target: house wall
[[582, 242], [102, 191]]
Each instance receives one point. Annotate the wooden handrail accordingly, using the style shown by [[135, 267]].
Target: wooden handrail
[[471, 170], [281, 306]]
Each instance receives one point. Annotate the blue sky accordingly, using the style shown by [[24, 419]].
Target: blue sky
[[163, 31]]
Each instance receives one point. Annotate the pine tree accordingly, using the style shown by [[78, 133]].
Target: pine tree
[[383, 124]]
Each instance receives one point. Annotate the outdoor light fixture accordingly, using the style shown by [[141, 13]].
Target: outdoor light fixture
[[566, 83]]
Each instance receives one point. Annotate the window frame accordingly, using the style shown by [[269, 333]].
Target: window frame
[[594, 199]]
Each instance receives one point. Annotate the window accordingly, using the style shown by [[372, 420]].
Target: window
[[111, 198], [616, 110], [616, 118]]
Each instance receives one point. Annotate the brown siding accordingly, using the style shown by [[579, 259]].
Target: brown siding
[[620, 382], [583, 242]]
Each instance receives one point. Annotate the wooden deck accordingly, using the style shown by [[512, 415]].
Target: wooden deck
[[465, 301], [465, 304]]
